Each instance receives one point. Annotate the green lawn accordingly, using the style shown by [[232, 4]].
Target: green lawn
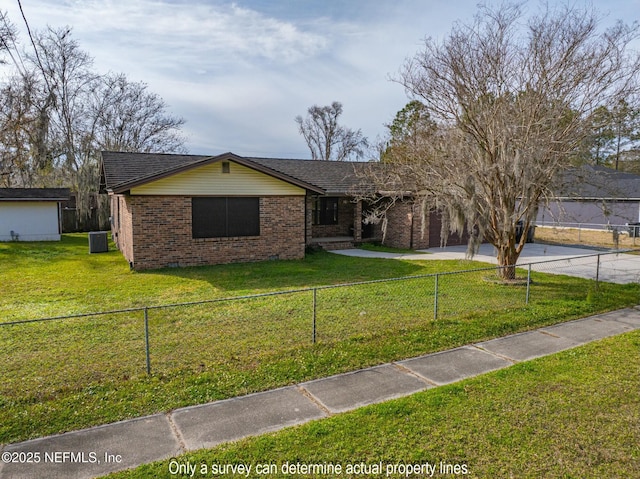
[[575, 414], [69, 374]]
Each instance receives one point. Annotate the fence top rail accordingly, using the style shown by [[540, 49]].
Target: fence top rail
[[300, 290], [158, 306], [585, 225]]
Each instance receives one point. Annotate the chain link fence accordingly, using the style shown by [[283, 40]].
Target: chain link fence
[[47, 355], [616, 267], [616, 235]]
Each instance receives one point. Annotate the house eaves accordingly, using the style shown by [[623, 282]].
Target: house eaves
[[34, 194], [202, 161], [335, 178]]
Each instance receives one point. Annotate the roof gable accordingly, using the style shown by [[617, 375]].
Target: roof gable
[[123, 168], [226, 178], [123, 171]]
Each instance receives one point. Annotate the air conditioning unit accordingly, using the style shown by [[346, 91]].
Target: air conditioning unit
[[98, 242]]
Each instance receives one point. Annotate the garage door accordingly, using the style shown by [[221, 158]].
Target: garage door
[[435, 225]]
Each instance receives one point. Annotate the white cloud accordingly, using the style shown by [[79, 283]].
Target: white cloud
[[240, 72], [208, 33]]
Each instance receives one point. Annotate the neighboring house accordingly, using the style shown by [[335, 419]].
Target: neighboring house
[[594, 196], [31, 214], [187, 210]]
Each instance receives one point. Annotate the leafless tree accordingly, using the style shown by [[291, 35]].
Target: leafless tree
[[511, 97], [8, 35], [57, 114], [66, 71], [23, 132], [128, 117], [326, 139]]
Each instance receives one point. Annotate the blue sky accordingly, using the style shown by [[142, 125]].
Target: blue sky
[[240, 72]]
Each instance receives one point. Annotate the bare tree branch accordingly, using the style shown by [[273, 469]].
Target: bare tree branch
[[325, 138], [511, 97]]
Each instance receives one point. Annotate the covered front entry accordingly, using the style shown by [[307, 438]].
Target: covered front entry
[[335, 222]]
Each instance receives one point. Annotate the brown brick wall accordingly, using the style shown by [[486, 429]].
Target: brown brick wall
[[309, 220], [404, 222], [162, 236], [122, 225]]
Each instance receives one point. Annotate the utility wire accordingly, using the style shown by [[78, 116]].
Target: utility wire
[[35, 48], [11, 36]]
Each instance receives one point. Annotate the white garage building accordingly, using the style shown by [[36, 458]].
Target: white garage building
[[31, 214]]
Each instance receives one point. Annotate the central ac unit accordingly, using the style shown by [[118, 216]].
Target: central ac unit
[[98, 242]]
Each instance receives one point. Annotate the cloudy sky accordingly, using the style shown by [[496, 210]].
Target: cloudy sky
[[240, 72]]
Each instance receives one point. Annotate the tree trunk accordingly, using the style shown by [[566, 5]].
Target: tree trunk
[[507, 258]]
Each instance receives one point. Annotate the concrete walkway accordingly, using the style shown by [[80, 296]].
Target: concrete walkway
[[531, 253], [568, 260], [98, 451]]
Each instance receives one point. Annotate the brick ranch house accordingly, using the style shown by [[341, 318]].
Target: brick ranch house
[[189, 210]]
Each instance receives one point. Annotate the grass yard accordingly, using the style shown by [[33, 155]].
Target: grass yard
[[575, 414], [74, 373]]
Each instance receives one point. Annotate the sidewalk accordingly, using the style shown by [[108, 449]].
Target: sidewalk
[[100, 450]]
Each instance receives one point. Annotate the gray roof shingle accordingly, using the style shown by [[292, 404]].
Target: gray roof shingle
[[122, 170], [599, 182], [334, 177], [34, 194]]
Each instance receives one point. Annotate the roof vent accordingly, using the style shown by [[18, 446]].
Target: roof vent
[[226, 167]]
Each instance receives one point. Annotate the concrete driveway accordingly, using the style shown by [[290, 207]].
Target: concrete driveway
[[572, 261]]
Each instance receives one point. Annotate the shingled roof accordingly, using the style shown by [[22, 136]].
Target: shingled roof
[[34, 194], [598, 182], [334, 177], [122, 171], [120, 168]]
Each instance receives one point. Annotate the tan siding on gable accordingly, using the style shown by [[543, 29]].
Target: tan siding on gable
[[210, 180]]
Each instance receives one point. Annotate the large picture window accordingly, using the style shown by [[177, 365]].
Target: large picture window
[[325, 211], [223, 217]]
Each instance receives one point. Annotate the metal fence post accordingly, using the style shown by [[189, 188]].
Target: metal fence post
[[146, 339], [598, 271], [528, 284], [435, 299], [314, 314]]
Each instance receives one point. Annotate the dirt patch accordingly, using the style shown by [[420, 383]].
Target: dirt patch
[[558, 235]]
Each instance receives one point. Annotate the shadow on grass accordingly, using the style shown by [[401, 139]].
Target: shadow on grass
[[70, 246], [316, 269]]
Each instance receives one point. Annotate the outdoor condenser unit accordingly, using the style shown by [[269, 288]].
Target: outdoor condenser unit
[[98, 242]]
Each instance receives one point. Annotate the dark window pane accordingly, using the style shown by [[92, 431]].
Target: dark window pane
[[325, 211], [243, 217], [217, 217]]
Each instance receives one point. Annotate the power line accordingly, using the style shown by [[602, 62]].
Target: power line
[[35, 48], [11, 36]]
